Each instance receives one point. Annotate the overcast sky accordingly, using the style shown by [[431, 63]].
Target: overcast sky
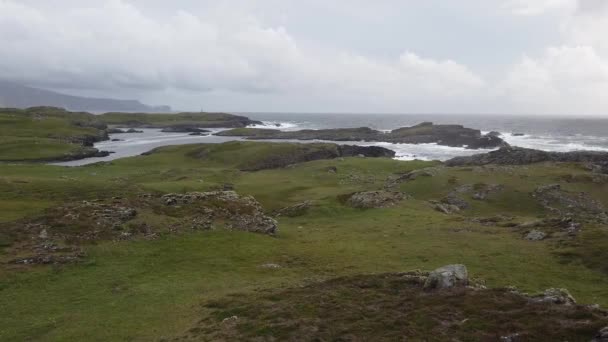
[[403, 56]]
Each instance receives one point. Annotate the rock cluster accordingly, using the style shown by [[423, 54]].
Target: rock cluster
[[375, 199], [239, 212], [570, 204]]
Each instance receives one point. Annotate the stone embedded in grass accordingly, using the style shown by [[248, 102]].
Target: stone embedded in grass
[[447, 277], [535, 235], [295, 210]]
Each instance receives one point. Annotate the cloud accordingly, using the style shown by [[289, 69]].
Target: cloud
[[114, 45], [228, 57], [538, 7], [572, 80]]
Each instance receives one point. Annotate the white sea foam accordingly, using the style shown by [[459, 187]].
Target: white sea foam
[[283, 126]]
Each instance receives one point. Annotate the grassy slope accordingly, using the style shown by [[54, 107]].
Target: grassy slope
[[149, 289]]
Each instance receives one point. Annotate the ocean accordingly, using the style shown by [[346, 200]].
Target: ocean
[[544, 133]]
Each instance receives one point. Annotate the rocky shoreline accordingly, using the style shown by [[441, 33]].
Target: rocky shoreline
[[424, 133], [512, 155]]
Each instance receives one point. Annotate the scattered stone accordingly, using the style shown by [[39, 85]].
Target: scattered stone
[[375, 199], [535, 235], [448, 277], [270, 266], [511, 338]]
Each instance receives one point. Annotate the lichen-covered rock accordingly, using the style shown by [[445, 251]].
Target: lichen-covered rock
[[375, 199], [447, 277]]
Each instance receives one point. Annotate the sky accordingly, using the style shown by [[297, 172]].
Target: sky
[[382, 56]]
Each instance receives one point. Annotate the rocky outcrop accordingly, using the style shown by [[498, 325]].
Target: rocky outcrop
[[427, 132], [183, 129], [522, 156], [375, 199], [242, 213], [447, 277]]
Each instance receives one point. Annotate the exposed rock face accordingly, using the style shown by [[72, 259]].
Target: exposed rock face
[[427, 132], [569, 204], [535, 235], [239, 212], [447, 277], [375, 199], [521, 156]]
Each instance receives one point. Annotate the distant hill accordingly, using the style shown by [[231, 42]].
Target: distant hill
[[18, 96]]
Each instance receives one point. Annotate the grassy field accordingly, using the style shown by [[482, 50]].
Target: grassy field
[[149, 290]]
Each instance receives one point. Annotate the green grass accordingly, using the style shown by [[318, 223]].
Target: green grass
[[146, 290], [39, 135]]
